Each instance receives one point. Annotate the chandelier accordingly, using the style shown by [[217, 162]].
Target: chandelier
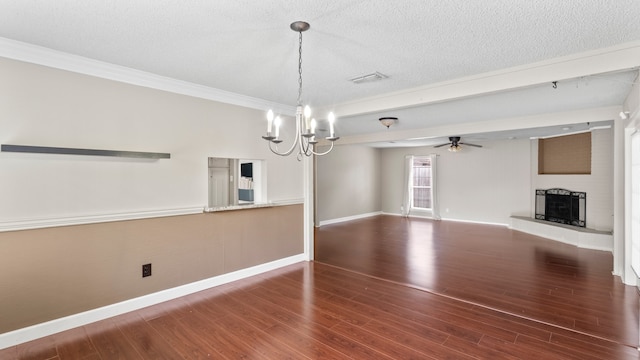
[[305, 137]]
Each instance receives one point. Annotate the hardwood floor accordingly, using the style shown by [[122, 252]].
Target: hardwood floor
[[491, 266], [317, 310]]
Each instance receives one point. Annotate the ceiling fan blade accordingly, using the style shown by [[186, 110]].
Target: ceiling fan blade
[[441, 145], [470, 144]]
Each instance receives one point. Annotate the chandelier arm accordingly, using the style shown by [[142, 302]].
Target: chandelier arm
[[295, 141], [286, 153], [323, 153], [305, 147]]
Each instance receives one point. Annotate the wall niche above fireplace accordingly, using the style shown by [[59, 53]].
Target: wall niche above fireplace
[[562, 206]]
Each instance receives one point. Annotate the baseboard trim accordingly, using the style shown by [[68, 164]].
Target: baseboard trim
[[23, 335], [448, 219], [476, 222], [349, 218]]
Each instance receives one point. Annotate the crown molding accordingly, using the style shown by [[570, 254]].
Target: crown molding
[[621, 57], [502, 124], [16, 50]]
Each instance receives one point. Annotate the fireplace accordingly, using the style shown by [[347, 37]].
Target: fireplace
[[562, 206]]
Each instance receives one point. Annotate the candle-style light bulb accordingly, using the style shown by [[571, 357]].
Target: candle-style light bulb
[[332, 120], [313, 129], [278, 122], [307, 114], [269, 121]]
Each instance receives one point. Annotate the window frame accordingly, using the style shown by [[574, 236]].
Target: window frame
[[412, 185]]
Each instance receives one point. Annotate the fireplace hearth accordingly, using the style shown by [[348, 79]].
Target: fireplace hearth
[[562, 206]]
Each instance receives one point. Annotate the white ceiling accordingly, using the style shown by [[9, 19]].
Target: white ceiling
[[246, 47], [574, 94]]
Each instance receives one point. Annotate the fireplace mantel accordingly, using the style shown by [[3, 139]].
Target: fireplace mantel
[[580, 237]]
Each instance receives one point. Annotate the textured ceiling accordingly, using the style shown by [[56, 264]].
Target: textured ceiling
[[575, 94], [246, 47]]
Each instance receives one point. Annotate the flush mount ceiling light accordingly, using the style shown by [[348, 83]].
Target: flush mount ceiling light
[[305, 135], [388, 121]]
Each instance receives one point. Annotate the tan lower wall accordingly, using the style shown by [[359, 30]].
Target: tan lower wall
[[49, 273]]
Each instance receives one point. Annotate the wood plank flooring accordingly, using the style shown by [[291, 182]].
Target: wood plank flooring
[[492, 266], [314, 310]]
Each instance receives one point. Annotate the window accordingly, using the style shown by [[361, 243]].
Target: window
[[421, 185]]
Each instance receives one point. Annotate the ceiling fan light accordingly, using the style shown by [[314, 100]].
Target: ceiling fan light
[[455, 148]]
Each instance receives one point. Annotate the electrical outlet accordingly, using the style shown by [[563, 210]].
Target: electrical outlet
[[146, 270]]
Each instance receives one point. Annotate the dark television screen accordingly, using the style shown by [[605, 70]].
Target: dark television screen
[[246, 170]]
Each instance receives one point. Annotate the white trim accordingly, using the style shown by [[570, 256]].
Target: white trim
[[591, 129], [349, 218], [615, 58], [308, 207], [288, 202], [34, 54], [30, 224], [424, 216], [405, 207], [512, 123], [395, 214], [582, 238], [631, 219], [27, 224], [20, 336], [420, 210], [476, 222]]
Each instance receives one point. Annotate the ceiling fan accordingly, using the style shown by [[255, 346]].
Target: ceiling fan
[[454, 144]]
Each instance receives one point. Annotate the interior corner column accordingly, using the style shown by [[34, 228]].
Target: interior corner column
[[307, 181]]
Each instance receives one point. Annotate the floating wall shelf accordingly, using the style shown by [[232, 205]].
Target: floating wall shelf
[[90, 152]]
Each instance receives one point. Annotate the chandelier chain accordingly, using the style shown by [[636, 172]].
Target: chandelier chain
[[300, 70]]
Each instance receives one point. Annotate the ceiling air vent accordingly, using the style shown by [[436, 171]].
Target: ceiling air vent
[[368, 78]]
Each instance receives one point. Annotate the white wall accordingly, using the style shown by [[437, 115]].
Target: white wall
[[348, 182], [42, 106], [486, 184], [598, 185]]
